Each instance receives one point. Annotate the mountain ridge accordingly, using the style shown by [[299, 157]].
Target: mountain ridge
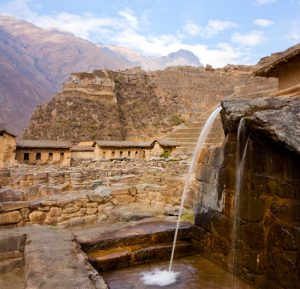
[[48, 57]]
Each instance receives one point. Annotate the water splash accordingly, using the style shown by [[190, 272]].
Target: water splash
[[155, 277], [159, 277]]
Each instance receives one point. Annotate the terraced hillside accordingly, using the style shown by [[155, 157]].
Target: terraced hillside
[[136, 105]]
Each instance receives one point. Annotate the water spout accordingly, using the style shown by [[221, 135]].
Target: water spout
[[167, 277], [242, 146], [197, 152]]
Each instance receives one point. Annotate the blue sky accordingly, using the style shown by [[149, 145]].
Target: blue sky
[[217, 31]]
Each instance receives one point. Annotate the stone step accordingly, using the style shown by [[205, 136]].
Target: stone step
[[186, 130], [197, 125], [183, 135], [10, 264], [116, 258], [184, 145], [185, 140], [147, 232]]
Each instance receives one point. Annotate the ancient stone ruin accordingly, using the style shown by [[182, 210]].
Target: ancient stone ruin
[[109, 215]]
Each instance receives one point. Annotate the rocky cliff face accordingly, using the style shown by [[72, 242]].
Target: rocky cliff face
[[133, 104]]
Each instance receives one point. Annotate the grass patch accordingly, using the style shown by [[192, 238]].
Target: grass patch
[[188, 216]]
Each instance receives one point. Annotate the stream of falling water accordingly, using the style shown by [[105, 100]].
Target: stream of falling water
[[242, 145], [167, 277]]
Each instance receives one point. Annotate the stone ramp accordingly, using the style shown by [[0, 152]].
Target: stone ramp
[[188, 135]]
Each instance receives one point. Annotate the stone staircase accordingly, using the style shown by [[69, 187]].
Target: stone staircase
[[188, 135], [135, 243]]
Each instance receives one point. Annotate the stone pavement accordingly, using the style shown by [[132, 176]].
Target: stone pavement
[[52, 258]]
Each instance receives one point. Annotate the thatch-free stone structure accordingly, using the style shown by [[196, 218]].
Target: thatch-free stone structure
[[43, 151], [7, 147], [131, 149], [286, 67], [83, 151]]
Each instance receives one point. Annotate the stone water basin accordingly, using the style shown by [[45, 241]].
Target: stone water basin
[[196, 273]]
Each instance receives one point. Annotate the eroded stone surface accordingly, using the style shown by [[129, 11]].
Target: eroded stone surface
[[152, 231], [54, 260]]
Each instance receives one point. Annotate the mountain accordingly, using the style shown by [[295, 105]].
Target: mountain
[[22, 84], [179, 58], [34, 63]]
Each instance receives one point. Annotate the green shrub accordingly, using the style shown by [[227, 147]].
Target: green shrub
[[165, 155], [176, 120]]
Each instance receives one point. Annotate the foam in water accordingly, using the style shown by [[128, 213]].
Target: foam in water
[[159, 277]]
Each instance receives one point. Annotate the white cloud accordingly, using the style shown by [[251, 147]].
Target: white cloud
[[125, 30], [129, 15], [192, 28], [212, 28], [263, 2], [263, 22], [293, 34], [252, 38]]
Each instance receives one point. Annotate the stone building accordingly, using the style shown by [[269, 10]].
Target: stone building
[[84, 150], [7, 147], [43, 152], [163, 147], [118, 149], [131, 149], [286, 67]]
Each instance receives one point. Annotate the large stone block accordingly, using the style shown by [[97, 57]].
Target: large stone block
[[9, 195], [222, 225], [10, 218], [286, 210], [12, 206], [124, 199], [37, 216], [251, 209]]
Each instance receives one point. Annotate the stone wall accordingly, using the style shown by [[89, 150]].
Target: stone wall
[[90, 191], [262, 246], [7, 149]]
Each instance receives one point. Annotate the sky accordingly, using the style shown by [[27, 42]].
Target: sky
[[217, 31]]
